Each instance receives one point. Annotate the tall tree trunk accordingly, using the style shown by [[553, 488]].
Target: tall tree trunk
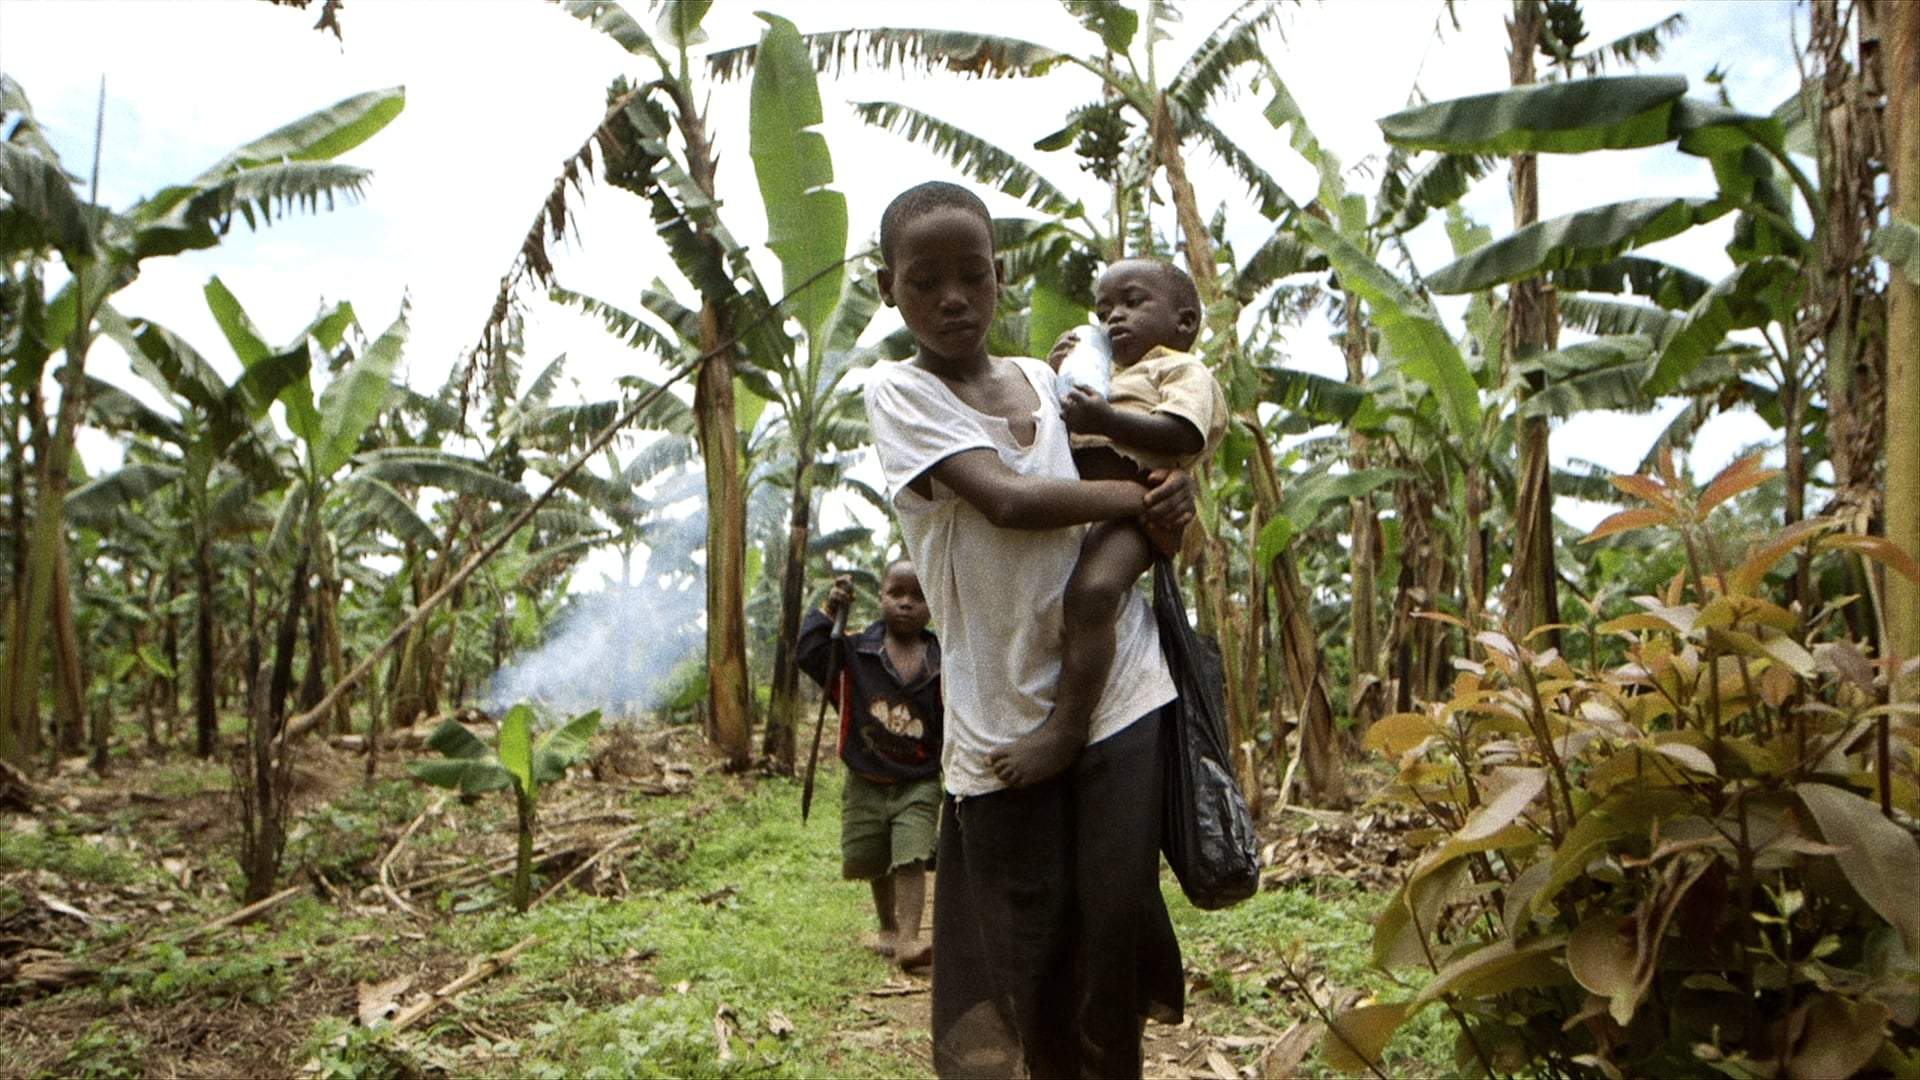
[[1532, 593], [778, 742], [1902, 29]]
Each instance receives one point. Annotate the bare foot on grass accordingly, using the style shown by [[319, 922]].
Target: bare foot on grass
[[1040, 754], [914, 954], [879, 943]]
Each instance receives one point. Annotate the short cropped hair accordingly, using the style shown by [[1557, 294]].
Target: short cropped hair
[[1177, 281], [923, 199]]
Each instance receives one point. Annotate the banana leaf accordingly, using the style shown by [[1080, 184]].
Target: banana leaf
[[1612, 113], [1577, 239], [806, 219]]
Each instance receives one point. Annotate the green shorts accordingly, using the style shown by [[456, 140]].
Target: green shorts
[[885, 826]]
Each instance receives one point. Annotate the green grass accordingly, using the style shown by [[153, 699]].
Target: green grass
[[781, 941], [1327, 932], [51, 846]]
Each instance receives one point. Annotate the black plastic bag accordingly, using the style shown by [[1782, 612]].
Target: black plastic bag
[[1207, 830]]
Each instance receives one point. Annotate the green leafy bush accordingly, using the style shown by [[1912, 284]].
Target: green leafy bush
[[1692, 861], [520, 763]]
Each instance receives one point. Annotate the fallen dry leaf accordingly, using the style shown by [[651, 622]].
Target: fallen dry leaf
[[723, 1032], [778, 1023], [380, 1001], [1282, 1059], [1222, 1068], [61, 907]]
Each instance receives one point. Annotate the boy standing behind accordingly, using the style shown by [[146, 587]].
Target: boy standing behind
[[886, 680]]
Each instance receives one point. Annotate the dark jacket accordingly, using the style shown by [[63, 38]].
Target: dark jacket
[[888, 731]]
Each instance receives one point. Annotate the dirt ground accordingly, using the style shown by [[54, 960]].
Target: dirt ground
[[143, 873]]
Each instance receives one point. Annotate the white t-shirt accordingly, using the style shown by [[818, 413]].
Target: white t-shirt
[[996, 594]]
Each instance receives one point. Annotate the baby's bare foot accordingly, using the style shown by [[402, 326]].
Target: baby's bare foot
[[879, 943], [1040, 754]]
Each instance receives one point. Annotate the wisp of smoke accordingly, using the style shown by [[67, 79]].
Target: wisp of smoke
[[612, 650]]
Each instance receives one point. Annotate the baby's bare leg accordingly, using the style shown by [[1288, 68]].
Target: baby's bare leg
[[1112, 559]]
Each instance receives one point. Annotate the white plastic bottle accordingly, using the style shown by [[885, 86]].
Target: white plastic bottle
[[1090, 364]]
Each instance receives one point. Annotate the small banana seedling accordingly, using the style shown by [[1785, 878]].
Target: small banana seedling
[[520, 763]]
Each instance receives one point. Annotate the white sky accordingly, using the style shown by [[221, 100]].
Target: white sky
[[499, 92]]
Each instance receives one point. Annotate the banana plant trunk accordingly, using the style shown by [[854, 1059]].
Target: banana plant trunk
[[1532, 593], [730, 698], [1902, 32], [1362, 696], [69, 673], [280, 683], [732, 716], [779, 738], [205, 720], [45, 541], [523, 850], [1306, 675]]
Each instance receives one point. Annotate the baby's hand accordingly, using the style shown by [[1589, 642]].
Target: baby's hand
[[1061, 348], [1085, 412]]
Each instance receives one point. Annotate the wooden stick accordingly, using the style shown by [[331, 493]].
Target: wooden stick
[[542, 851], [620, 838], [477, 971], [385, 876], [246, 914]]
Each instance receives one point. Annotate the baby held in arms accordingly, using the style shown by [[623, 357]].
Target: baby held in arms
[[1164, 410]]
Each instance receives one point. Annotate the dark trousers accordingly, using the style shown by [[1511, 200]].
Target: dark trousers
[[1052, 943]]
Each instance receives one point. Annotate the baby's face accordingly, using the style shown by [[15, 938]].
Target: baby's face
[[1139, 311]]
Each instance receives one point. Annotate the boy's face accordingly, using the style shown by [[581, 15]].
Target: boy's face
[[1140, 311], [902, 606], [944, 281]]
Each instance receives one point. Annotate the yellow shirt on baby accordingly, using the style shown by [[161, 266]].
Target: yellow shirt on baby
[[1175, 383]]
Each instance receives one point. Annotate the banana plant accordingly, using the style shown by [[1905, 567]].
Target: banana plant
[[1687, 321], [327, 432], [289, 168], [654, 142], [518, 762]]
